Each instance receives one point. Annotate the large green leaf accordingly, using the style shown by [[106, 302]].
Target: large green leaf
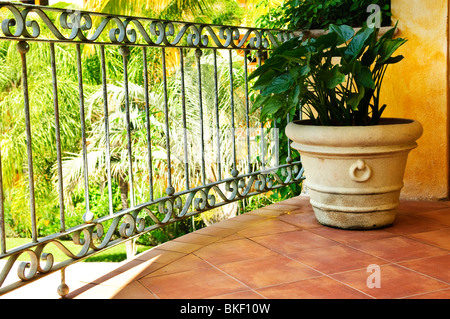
[[264, 79], [259, 101], [369, 56], [354, 98], [294, 96], [272, 105], [388, 47], [288, 45], [364, 78], [279, 84], [298, 52], [358, 42], [299, 71], [344, 32], [331, 77], [274, 62], [326, 41], [395, 59]]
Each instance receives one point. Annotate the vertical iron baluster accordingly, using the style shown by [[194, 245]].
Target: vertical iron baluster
[[263, 155], [2, 212], [147, 118], [23, 47], [63, 289], [83, 131], [106, 118], [234, 171], [183, 105], [198, 54], [247, 112], [276, 140], [170, 190], [216, 102], [288, 159], [125, 51], [58, 137]]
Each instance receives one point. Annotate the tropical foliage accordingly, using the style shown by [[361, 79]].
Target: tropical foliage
[[319, 14], [13, 141]]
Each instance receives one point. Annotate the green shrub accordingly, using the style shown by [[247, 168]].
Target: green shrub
[[318, 14]]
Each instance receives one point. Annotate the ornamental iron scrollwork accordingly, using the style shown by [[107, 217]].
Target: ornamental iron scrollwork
[[27, 22], [130, 223]]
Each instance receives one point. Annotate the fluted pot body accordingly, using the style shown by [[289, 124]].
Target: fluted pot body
[[354, 174]]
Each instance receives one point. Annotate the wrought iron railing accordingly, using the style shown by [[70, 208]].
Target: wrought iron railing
[[191, 125]]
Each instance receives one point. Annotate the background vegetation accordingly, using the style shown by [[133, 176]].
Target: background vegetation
[[265, 13], [319, 14]]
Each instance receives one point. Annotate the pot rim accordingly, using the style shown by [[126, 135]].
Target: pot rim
[[391, 131], [383, 121]]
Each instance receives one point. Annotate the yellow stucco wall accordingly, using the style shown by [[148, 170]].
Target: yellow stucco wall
[[417, 88]]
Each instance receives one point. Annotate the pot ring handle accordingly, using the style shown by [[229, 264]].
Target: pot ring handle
[[360, 172]]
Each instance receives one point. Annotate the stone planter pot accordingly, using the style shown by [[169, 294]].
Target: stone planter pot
[[354, 174]]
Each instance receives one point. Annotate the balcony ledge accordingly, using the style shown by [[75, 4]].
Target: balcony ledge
[[277, 252]]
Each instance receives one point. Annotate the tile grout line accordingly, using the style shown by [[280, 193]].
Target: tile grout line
[[232, 277], [322, 273], [282, 254], [420, 273], [424, 242], [329, 276], [424, 293]]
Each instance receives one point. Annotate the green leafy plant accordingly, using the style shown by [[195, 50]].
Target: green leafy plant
[[319, 14], [334, 79]]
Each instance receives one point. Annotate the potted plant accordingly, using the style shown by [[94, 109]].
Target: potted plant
[[354, 160]]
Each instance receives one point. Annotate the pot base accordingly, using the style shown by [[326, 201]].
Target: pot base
[[355, 221]]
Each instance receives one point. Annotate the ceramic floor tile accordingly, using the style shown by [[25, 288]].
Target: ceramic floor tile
[[272, 212], [409, 224], [246, 294], [135, 290], [439, 238], [348, 236], [193, 284], [270, 226], [441, 216], [413, 256], [232, 250], [216, 231], [180, 247], [129, 271], [441, 294], [267, 271], [231, 237], [395, 282], [301, 219], [198, 239], [397, 249], [159, 256], [298, 201], [232, 224], [293, 241], [186, 263], [92, 291], [412, 206], [335, 259], [437, 267], [315, 288], [281, 206], [249, 218]]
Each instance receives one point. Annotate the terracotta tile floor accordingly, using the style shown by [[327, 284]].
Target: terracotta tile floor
[[280, 252]]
